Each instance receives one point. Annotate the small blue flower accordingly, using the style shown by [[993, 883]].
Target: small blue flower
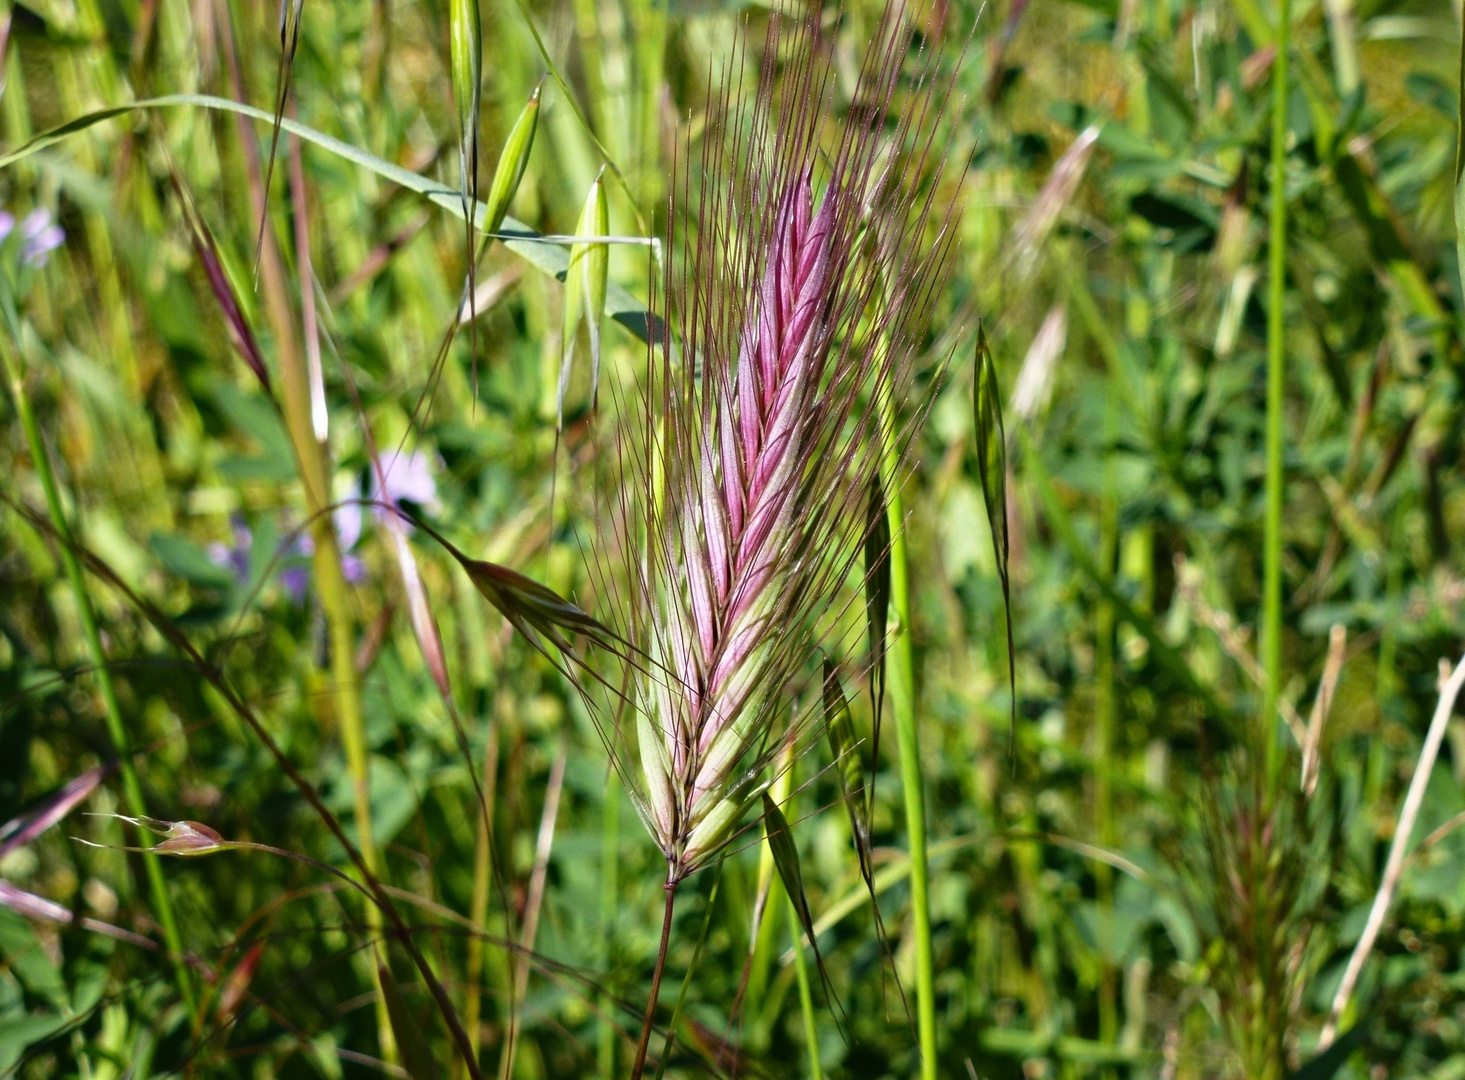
[[40, 235]]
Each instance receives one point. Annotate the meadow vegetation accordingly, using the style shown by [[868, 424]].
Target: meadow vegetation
[[567, 538]]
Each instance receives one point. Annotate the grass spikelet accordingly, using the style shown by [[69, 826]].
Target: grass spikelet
[[585, 285], [992, 470], [465, 63], [207, 252], [512, 163]]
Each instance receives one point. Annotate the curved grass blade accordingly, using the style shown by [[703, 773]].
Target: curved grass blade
[[549, 258], [992, 469]]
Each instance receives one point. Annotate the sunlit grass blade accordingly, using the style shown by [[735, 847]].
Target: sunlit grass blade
[[992, 470], [465, 62], [548, 258]]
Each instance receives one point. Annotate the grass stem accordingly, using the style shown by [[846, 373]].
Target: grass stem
[[806, 996], [901, 663], [112, 709], [610, 838], [639, 1065], [482, 868], [1271, 634]]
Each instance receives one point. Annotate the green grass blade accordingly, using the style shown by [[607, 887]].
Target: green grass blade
[[548, 258]]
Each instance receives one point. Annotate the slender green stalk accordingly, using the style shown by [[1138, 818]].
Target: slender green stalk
[[806, 996], [11, 356], [1271, 635], [478, 911], [610, 836], [1104, 717], [901, 661]]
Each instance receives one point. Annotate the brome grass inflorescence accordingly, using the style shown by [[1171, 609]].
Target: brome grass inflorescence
[[805, 259]]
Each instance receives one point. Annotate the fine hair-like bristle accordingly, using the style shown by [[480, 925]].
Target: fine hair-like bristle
[[805, 260]]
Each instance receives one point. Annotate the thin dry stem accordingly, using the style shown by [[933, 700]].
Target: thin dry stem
[[1394, 867]]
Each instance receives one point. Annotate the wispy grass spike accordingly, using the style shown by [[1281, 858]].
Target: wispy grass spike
[[290, 15], [992, 470], [804, 256], [585, 286], [207, 252], [465, 62]]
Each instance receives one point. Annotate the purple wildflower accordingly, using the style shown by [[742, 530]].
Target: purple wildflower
[[235, 557], [40, 235], [408, 478], [7, 223]]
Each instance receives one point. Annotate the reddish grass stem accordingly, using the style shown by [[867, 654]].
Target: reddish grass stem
[[645, 1040]]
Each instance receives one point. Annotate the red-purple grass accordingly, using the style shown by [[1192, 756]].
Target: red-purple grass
[[806, 261]]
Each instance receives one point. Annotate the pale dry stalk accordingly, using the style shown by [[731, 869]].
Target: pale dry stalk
[[1394, 868]]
